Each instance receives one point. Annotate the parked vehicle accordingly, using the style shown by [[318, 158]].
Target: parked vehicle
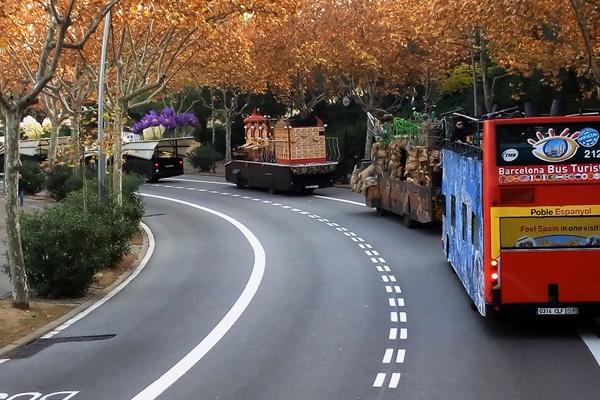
[[156, 159]]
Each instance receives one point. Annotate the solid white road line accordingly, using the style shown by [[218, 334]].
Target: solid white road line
[[193, 357], [341, 200], [379, 380], [393, 333], [592, 341], [394, 380], [387, 357], [400, 356], [4, 360], [115, 291]]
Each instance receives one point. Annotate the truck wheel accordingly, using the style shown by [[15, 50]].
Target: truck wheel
[[408, 222], [239, 185]]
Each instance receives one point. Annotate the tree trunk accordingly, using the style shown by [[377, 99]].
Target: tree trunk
[[117, 178], [587, 40], [475, 100], [77, 167], [228, 129], [53, 148], [12, 164], [368, 142], [488, 96]]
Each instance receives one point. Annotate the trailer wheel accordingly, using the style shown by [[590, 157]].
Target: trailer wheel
[[381, 211], [408, 222]]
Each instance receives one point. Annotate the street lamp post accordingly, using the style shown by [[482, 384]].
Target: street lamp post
[[212, 121], [101, 79], [346, 104]]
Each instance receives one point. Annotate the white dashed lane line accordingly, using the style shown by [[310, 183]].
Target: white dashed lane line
[[395, 333], [379, 380]]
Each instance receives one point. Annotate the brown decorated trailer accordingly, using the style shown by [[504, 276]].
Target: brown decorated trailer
[[294, 155]]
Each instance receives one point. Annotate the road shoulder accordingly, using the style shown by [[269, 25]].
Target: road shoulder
[[55, 313]]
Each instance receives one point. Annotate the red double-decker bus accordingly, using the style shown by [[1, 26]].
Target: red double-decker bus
[[522, 221]]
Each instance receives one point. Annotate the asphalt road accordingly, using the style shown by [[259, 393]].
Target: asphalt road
[[351, 306]]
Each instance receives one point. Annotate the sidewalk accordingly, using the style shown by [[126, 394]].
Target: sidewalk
[[31, 203]]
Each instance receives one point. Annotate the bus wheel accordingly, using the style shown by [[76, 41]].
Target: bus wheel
[[408, 222], [472, 304]]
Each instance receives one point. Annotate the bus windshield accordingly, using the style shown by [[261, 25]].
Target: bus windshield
[[552, 143]]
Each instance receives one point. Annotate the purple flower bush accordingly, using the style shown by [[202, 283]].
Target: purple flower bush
[[167, 118]]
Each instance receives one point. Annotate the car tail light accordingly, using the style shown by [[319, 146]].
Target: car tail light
[[156, 165]]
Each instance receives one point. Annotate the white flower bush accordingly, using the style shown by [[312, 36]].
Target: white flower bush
[[31, 128]]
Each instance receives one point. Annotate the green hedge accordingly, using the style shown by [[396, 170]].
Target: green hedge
[[66, 245], [32, 178], [61, 181], [202, 157]]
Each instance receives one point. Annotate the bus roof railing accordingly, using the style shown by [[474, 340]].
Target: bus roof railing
[[464, 149]]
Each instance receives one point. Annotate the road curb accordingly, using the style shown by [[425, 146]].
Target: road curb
[[35, 335]]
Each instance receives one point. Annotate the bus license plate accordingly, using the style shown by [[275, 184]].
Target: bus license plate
[[557, 311]]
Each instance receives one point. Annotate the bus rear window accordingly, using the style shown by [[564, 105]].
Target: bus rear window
[[553, 143]]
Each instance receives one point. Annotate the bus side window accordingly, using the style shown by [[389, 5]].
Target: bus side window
[[464, 221], [453, 210], [475, 231]]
